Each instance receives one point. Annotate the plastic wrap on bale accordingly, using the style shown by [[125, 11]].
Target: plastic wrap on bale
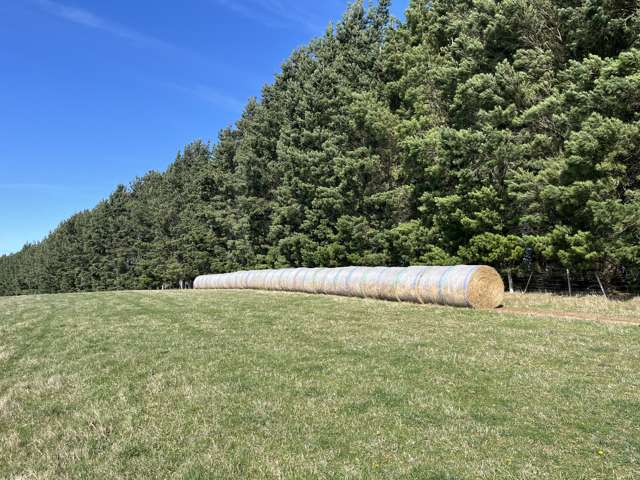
[[474, 286]]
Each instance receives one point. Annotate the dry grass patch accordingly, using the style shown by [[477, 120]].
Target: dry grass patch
[[595, 307]]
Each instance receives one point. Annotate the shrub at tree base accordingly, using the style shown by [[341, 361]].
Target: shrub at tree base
[[460, 286]]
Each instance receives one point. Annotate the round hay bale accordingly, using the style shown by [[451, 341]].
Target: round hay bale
[[388, 282], [342, 281], [371, 282], [252, 280], [247, 278], [318, 280], [269, 279], [291, 279], [277, 279], [485, 288], [308, 282], [407, 283], [330, 281], [355, 282], [298, 279], [460, 285], [258, 280], [283, 279]]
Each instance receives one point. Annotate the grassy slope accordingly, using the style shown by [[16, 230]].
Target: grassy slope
[[201, 385]]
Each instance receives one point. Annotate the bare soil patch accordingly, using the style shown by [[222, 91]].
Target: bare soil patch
[[572, 315]]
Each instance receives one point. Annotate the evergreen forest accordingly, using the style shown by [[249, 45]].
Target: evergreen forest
[[501, 132]]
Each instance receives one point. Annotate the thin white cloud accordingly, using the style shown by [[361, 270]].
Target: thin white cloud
[[247, 12], [215, 97], [88, 19], [31, 186], [208, 94], [276, 13], [45, 187], [291, 12]]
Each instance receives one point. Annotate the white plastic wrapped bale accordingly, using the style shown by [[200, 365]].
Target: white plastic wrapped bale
[[474, 286]]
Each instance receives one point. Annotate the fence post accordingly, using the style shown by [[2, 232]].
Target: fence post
[[510, 278], [528, 282], [601, 287], [569, 281]]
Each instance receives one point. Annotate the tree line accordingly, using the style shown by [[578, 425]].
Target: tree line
[[498, 132]]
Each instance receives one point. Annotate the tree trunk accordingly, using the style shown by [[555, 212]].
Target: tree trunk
[[510, 278]]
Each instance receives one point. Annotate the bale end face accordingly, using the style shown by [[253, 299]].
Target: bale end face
[[485, 289]]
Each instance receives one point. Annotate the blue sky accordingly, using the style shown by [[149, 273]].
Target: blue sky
[[95, 93]]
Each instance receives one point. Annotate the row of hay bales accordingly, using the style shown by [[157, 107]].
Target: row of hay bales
[[461, 285]]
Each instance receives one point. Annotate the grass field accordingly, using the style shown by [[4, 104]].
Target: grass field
[[225, 384]]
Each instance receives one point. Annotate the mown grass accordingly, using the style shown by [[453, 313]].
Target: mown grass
[[224, 384]]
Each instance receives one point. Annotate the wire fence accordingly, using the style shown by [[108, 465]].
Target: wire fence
[[568, 282], [555, 280]]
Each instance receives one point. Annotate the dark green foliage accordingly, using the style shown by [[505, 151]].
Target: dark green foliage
[[500, 132]]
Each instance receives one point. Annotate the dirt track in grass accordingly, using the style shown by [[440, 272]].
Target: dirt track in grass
[[593, 308], [571, 316]]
